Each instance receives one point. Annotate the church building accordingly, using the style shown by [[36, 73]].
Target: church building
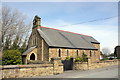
[[46, 43]]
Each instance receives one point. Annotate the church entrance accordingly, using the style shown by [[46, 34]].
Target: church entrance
[[32, 56], [68, 64]]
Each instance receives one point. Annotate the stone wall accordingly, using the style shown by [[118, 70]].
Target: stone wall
[[20, 71], [57, 65], [96, 45], [42, 47], [53, 52], [80, 66], [89, 65], [36, 40], [45, 51]]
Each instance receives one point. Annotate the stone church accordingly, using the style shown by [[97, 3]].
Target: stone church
[[46, 43]]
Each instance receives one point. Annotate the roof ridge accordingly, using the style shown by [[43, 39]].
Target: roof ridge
[[65, 31]]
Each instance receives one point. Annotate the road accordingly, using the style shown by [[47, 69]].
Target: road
[[106, 72]]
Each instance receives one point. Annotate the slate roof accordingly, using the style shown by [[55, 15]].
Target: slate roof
[[65, 39], [29, 50]]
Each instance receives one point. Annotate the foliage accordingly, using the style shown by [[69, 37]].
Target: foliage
[[68, 58], [15, 43], [104, 59], [7, 43], [81, 59], [118, 58], [23, 48], [85, 58], [12, 57], [14, 29], [111, 54], [106, 51]]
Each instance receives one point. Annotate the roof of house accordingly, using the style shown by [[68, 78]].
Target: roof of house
[[65, 39], [29, 50]]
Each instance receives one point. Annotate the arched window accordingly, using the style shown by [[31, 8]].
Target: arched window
[[77, 52], [59, 53], [32, 56], [67, 53], [90, 53]]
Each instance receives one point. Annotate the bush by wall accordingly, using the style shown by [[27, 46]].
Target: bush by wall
[[81, 59], [12, 57]]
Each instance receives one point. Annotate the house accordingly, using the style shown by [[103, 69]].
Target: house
[[45, 43]]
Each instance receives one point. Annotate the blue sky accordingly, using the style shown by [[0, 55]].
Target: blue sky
[[56, 14]]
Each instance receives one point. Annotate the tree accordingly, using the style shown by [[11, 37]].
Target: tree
[[7, 43], [13, 24], [23, 47], [12, 57], [106, 51], [15, 44]]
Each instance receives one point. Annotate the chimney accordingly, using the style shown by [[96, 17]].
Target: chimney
[[37, 22]]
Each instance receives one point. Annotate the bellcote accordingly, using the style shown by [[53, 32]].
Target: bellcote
[[37, 22]]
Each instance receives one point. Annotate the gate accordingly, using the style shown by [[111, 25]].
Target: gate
[[68, 64]]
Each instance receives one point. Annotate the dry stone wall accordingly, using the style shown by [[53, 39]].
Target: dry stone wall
[[89, 65], [20, 71]]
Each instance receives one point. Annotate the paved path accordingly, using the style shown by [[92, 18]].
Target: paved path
[[107, 72]]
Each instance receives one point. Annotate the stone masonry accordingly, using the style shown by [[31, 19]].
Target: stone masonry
[[88, 65], [20, 71]]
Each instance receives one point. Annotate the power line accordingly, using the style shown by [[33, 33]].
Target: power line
[[90, 21]]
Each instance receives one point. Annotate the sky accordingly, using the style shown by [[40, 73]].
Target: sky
[[67, 15]]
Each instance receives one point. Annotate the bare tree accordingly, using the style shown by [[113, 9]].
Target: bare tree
[[13, 25], [106, 51]]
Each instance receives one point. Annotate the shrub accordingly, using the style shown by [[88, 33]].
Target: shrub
[[81, 59], [68, 58], [85, 58], [12, 57]]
